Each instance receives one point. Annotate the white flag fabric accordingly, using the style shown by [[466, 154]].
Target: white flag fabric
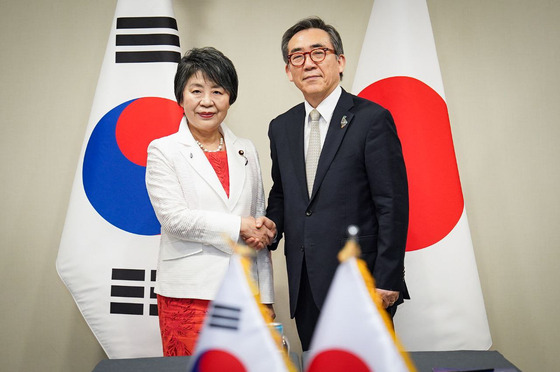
[[352, 333], [235, 336], [399, 69], [108, 251]]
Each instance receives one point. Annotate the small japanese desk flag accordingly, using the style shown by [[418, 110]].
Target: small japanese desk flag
[[354, 332]]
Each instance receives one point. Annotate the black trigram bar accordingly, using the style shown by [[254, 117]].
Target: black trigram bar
[[153, 310], [146, 22], [127, 291], [127, 309], [225, 316], [148, 39], [149, 56], [128, 274]]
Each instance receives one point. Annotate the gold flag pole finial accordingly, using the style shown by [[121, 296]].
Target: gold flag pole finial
[[351, 248], [242, 250], [246, 253]]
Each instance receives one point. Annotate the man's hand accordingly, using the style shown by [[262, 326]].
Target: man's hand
[[257, 233], [388, 297], [271, 311], [265, 221]]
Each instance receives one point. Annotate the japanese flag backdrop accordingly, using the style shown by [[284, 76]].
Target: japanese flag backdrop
[[398, 68]]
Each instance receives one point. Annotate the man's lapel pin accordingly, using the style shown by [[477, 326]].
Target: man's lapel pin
[[343, 122]]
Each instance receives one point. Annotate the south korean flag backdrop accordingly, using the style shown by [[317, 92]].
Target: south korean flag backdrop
[[398, 68], [108, 251]]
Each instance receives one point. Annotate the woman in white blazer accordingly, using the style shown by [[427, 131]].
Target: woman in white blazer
[[204, 184]]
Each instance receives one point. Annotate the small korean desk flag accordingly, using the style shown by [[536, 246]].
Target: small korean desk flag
[[353, 332], [399, 69], [108, 251], [235, 335]]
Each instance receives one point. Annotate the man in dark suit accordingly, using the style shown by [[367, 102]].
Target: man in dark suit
[[360, 178]]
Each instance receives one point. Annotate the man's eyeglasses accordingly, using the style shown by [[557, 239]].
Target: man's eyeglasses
[[317, 55]]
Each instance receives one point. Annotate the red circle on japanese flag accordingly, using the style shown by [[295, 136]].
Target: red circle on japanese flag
[[334, 360], [218, 361], [422, 120]]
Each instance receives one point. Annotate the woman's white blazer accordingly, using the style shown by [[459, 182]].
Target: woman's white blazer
[[195, 213]]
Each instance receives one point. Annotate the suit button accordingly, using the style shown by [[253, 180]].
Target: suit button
[[308, 213], [301, 248]]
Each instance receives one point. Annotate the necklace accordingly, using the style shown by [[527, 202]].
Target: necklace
[[220, 146]]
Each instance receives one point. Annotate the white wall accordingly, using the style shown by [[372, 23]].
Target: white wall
[[499, 62]]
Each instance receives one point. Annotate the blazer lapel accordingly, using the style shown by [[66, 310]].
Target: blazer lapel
[[295, 134], [194, 155], [335, 134], [237, 167]]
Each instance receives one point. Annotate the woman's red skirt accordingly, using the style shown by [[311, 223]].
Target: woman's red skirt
[[180, 321]]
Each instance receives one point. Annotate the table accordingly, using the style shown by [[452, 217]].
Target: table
[[424, 361], [169, 364]]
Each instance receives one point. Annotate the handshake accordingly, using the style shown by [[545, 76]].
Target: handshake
[[257, 233]]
